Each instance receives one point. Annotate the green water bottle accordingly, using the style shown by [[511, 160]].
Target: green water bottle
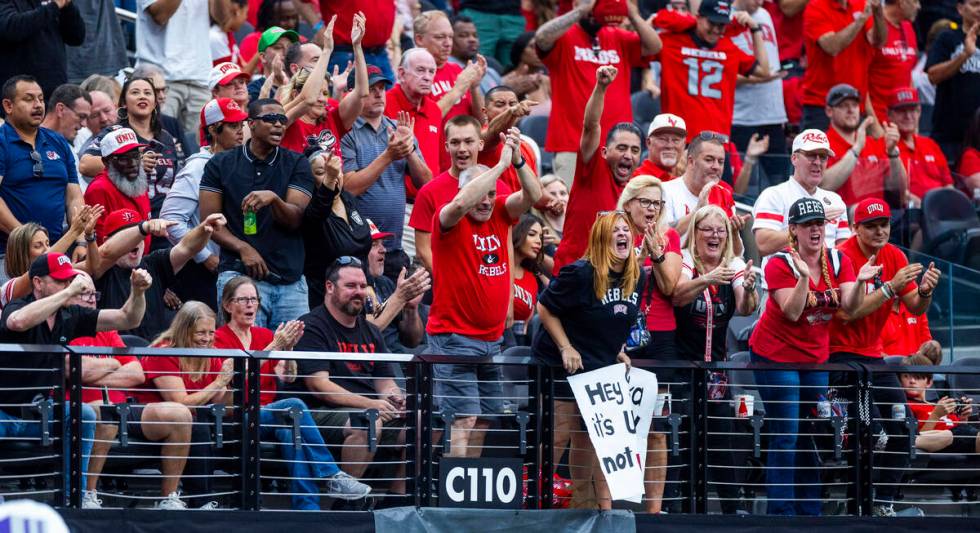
[[250, 227]]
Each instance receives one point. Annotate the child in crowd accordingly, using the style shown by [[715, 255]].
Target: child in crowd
[[943, 426]]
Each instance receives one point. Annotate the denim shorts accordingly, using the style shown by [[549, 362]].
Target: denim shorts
[[469, 390]]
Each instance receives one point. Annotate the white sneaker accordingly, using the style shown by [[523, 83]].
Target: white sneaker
[[171, 503], [343, 486], [90, 500], [884, 510], [210, 506]]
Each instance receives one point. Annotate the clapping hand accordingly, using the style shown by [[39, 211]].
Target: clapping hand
[[869, 270]]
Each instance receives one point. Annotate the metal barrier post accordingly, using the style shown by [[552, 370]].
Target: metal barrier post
[[412, 432], [75, 434], [864, 444], [426, 418], [249, 420], [545, 381], [697, 420], [536, 479], [952, 314]]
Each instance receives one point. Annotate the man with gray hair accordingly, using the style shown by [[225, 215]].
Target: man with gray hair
[[413, 94]]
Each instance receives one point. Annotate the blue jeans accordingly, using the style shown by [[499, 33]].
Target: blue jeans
[[310, 461], [788, 396], [13, 427], [280, 303], [339, 58]]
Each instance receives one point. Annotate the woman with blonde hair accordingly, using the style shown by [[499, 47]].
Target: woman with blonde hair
[[807, 285], [586, 316], [713, 278]]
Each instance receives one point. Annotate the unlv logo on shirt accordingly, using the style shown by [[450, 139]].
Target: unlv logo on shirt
[[491, 263], [602, 57]]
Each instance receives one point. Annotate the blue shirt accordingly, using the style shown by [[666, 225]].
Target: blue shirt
[[32, 198]]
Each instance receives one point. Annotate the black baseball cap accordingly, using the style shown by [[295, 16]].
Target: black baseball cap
[[805, 210], [840, 92], [717, 11]]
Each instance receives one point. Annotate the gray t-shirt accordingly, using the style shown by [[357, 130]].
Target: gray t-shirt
[[757, 104], [104, 49]]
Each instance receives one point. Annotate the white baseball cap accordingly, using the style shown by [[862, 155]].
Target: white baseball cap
[[119, 141], [223, 73], [812, 140], [667, 121]]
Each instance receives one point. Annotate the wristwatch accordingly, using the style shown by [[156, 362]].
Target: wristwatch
[[661, 259]]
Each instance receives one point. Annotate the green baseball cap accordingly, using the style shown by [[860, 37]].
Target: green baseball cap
[[273, 34]]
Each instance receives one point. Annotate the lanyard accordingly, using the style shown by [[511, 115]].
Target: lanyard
[[709, 314]]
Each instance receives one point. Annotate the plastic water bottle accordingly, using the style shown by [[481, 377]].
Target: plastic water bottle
[[976, 197], [250, 225], [823, 407]]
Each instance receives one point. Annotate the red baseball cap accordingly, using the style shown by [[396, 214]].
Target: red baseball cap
[[121, 219], [223, 73], [610, 12], [376, 233], [220, 110], [903, 97], [871, 209], [54, 264]]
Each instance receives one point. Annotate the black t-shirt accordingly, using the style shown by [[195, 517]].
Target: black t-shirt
[[501, 7], [957, 97], [324, 334], [692, 321], [597, 329], [115, 287], [70, 323], [236, 173], [329, 236]]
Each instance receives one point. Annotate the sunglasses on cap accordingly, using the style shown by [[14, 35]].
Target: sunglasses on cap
[[713, 136], [347, 260], [38, 166], [610, 212], [272, 118]]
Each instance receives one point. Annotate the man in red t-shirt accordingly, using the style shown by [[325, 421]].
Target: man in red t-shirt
[[600, 173], [123, 183], [380, 21], [472, 292], [413, 94], [503, 111], [892, 64], [571, 46], [464, 144], [665, 147], [862, 166], [702, 65], [839, 37], [921, 157]]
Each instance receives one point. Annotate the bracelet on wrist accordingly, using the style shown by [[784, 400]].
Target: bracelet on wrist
[[924, 294], [887, 291], [520, 164], [661, 259], [90, 238], [142, 228], [756, 29]]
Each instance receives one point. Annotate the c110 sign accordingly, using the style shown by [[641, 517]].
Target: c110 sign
[[481, 483]]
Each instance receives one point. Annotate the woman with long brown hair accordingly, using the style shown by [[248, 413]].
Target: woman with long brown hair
[[586, 316], [807, 285]]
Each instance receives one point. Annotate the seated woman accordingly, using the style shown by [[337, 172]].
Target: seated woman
[[941, 424], [198, 381]]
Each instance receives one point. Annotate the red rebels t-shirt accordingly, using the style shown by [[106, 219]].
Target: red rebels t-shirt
[[807, 340], [572, 64], [224, 337], [891, 66], [864, 336], [904, 332], [658, 308], [471, 276], [789, 31], [155, 367], [437, 193], [102, 192], [443, 82], [380, 18], [922, 410], [108, 339], [926, 166], [823, 70], [699, 83], [492, 157], [867, 180], [525, 295], [428, 129], [649, 168], [969, 162], [296, 134], [594, 189]]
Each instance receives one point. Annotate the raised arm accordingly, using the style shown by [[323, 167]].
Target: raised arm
[[591, 123], [519, 202], [941, 72], [834, 42], [161, 10], [313, 87], [837, 174], [878, 33], [470, 77], [195, 240], [473, 192], [551, 31], [130, 314], [649, 40], [125, 240], [353, 102], [758, 43], [40, 310]]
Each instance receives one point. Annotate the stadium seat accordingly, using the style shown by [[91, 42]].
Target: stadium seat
[[516, 391], [536, 127], [743, 381], [949, 224], [133, 341], [644, 109], [966, 384], [894, 359], [739, 330]]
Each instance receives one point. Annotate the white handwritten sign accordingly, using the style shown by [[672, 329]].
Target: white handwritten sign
[[617, 409]]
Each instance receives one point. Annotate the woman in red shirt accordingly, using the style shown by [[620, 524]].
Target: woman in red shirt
[[529, 268], [199, 381], [807, 284], [969, 168]]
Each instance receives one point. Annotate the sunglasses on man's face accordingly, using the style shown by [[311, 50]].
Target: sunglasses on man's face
[[272, 118], [38, 166]]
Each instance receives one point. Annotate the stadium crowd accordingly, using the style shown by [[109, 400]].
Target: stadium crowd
[[363, 185]]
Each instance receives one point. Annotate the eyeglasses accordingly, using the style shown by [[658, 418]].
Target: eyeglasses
[[161, 91], [708, 135], [713, 231], [272, 118], [38, 166], [245, 300], [811, 157], [347, 260], [647, 203], [93, 296]]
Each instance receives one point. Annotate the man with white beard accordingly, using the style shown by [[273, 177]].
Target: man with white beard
[[123, 184], [665, 146]]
